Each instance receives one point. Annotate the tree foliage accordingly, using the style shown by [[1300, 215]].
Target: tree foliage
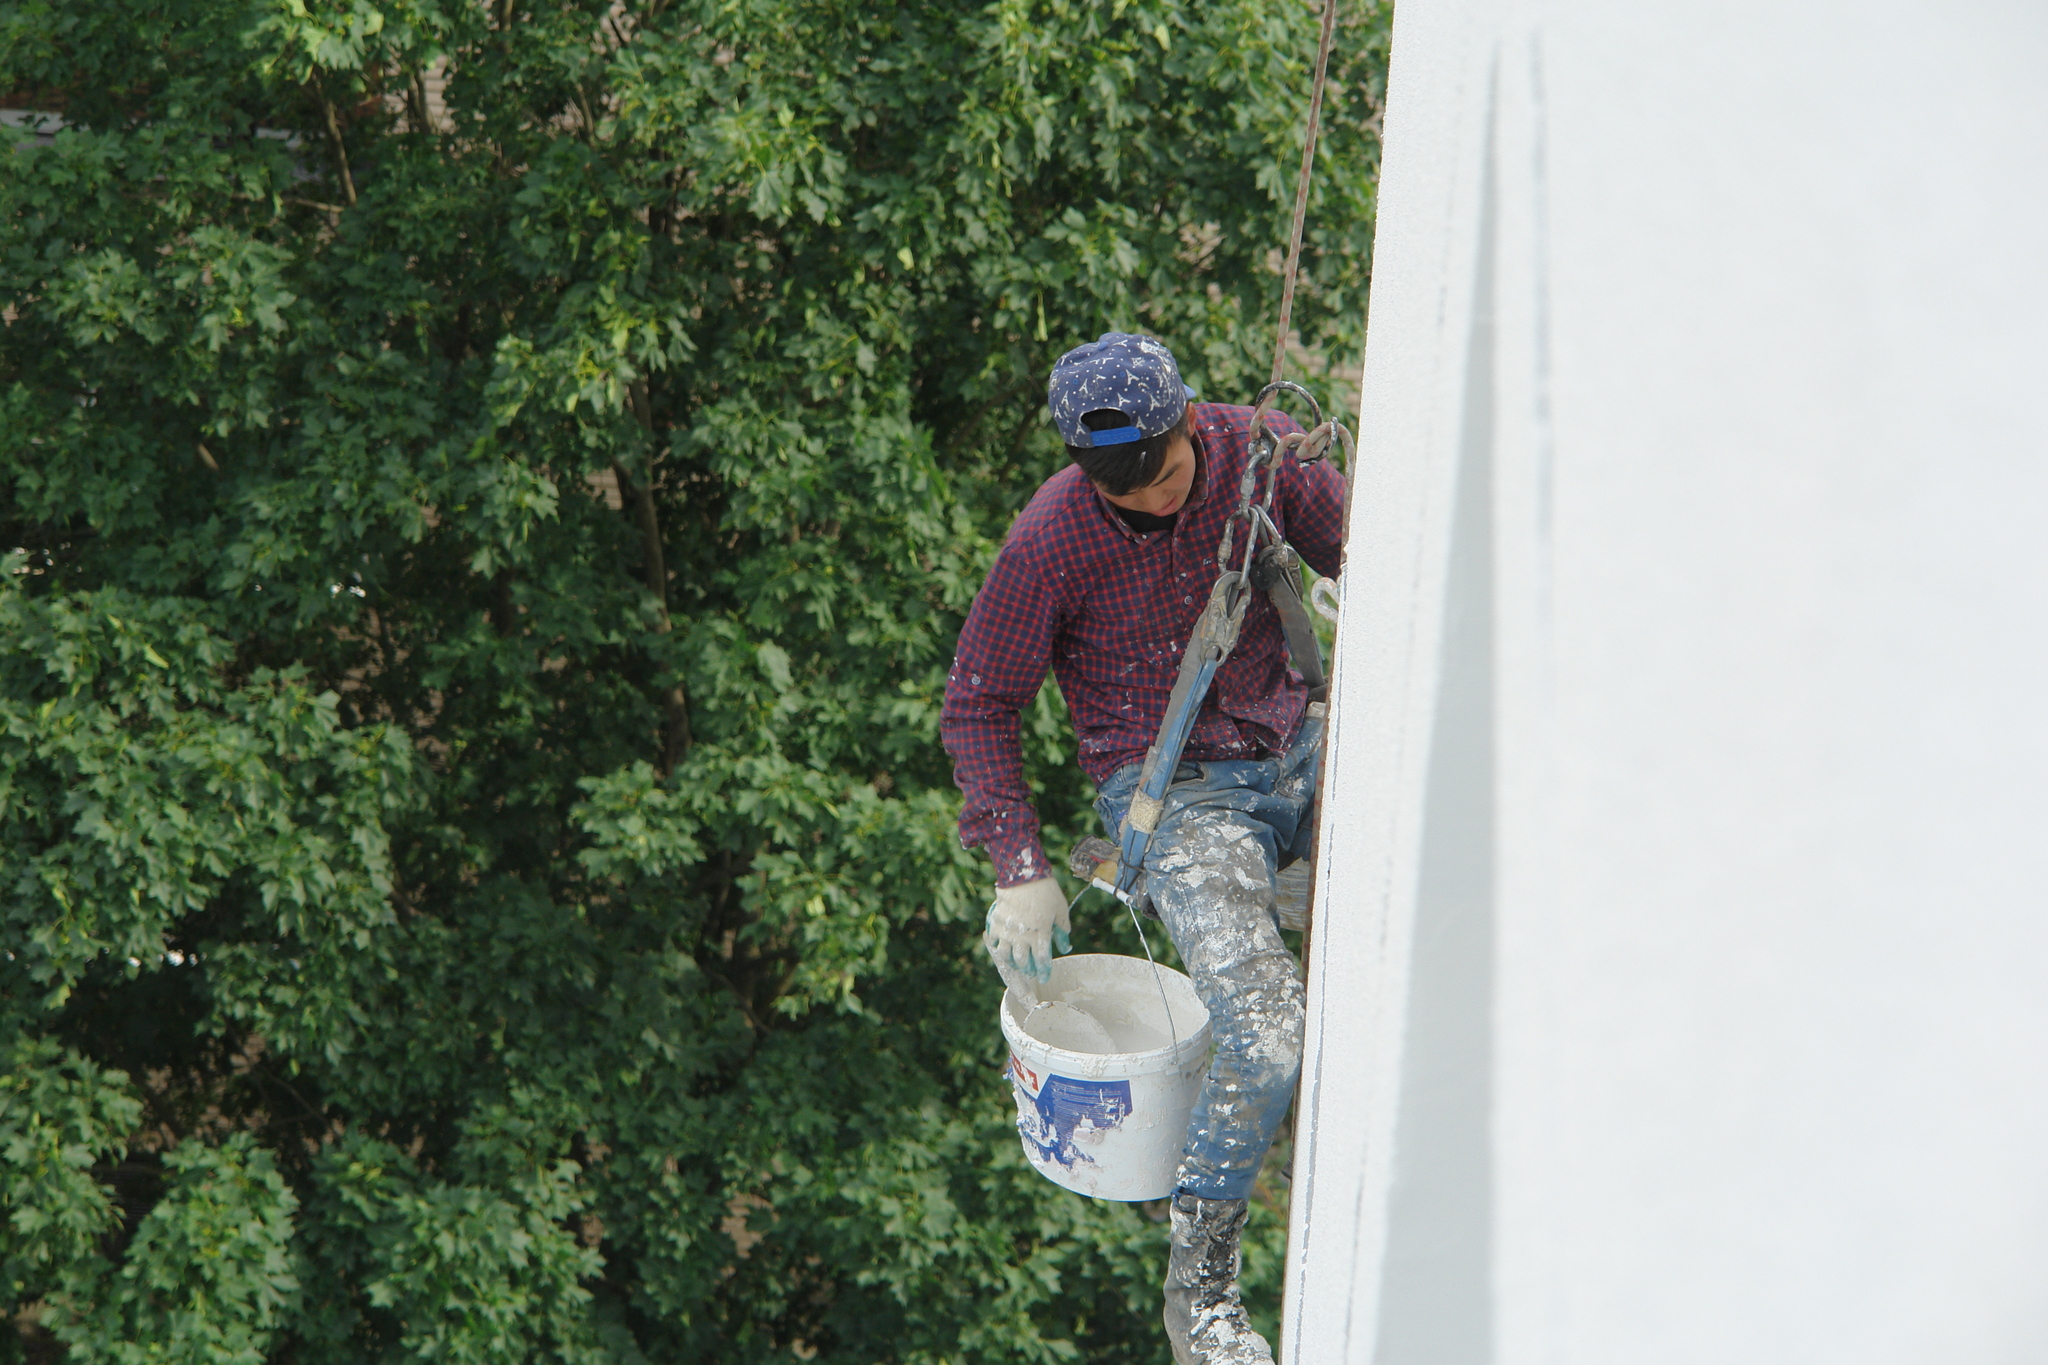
[[488, 492]]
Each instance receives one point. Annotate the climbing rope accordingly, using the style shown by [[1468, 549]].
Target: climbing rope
[[1301, 183]]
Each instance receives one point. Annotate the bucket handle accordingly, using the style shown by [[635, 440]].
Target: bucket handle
[[1146, 943]]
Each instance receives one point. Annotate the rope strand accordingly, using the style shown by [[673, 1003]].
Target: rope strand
[[1308, 162]]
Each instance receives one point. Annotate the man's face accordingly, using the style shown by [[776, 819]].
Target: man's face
[[1166, 494]]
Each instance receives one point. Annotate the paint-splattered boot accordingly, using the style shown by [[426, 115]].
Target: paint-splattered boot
[[1204, 1319]]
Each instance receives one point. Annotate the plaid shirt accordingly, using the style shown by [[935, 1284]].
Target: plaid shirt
[[1109, 610]]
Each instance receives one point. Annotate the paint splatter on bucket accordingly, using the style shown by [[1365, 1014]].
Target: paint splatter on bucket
[[1105, 1071]]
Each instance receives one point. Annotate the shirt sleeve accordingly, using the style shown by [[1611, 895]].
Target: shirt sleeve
[[1313, 501], [1005, 651]]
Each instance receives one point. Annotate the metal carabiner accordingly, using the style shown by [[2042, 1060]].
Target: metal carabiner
[[1309, 447], [1263, 404], [1326, 596]]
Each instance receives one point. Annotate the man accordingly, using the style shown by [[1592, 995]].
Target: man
[[1101, 580]]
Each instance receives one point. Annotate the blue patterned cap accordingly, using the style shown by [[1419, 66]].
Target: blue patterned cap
[[1133, 375]]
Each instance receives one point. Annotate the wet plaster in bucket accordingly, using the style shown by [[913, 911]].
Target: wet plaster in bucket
[[1069, 1027]]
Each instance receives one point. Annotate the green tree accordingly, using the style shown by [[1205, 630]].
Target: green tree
[[488, 492]]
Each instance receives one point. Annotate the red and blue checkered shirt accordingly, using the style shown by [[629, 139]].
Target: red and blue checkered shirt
[[1109, 611]]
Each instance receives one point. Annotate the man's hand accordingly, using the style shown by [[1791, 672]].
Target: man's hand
[[1023, 926]]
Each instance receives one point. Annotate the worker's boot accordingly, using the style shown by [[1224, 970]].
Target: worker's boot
[[1204, 1319]]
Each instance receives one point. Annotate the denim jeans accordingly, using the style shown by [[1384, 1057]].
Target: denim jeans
[[1227, 827]]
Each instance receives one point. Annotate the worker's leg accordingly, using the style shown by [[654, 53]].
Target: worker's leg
[[1210, 870], [1211, 876], [1210, 873]]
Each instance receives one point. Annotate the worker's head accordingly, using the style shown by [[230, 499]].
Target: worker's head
[[1122, 410]]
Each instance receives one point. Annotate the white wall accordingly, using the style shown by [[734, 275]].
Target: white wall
[[1680, 988]]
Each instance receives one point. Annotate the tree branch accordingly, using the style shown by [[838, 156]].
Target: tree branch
[[676, 737], [348, 182], [504, 611], [416, 96]]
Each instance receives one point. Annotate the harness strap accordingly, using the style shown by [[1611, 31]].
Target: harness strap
[[1214, 636], [1277, 573]]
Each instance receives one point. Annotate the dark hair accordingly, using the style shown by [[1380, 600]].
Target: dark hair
[[1120, 469]]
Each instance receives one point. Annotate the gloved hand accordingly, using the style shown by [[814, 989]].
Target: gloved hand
[[1024, 925]]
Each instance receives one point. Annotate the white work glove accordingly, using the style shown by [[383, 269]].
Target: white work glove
[[1024, 925]]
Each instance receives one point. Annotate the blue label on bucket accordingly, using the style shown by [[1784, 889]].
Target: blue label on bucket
[[1062, 1108]]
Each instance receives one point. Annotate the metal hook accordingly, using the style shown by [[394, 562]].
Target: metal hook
[[1264, 404]]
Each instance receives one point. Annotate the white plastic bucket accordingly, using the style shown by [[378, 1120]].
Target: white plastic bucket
[[1107, 1123]]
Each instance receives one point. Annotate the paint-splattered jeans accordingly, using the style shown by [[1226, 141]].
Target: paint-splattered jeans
[[1226, 829]]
